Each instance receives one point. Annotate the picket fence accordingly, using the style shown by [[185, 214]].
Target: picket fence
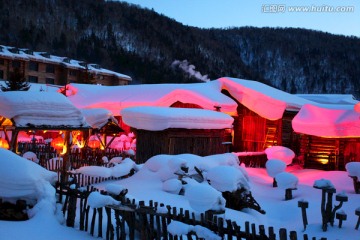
[[132, 220]]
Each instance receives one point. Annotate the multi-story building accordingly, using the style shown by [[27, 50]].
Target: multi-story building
[[41, 67]]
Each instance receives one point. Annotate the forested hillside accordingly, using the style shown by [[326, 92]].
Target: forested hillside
[[152, 48]]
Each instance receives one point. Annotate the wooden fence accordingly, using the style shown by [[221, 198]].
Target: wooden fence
[[140, 221]]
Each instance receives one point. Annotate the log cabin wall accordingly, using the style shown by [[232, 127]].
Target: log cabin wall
[[177, 141], [322, 153], [254, 133]]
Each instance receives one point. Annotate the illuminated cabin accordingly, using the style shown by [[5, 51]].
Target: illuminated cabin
[[329, 137], [164, 130]]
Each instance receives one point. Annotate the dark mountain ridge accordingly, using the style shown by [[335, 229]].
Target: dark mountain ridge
[[145, 45]]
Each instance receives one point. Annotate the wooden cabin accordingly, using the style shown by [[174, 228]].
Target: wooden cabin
[[255, 133], [328, 137], [202, 142], [328, 153], [163, 130]]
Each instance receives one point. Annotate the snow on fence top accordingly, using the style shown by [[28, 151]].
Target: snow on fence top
[[40, 109], [160, 118], [342, 121]]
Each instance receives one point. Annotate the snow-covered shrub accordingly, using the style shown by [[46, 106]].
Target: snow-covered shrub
[[281, 153], [172, 186], [203, 197], [274, 167], [227, 178], [156, 162]]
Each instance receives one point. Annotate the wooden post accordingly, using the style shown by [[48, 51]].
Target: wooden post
[[357, 213], [341, 216], [304, 205]]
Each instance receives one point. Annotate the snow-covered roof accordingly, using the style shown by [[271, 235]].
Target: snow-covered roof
[[40, 110], [98, 117], [116, 98], [264, 100], [160, 118], [327, 122], [25, 54], [342, 99]]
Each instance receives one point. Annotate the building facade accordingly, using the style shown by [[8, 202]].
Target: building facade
[[41, 67]]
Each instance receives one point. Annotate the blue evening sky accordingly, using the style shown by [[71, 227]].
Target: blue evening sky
[[333, 16]]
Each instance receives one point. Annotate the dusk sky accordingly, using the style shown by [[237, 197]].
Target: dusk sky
[[333, 16]]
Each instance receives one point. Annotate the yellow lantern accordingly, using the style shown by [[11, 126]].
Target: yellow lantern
[[57, 143], [4, 143]]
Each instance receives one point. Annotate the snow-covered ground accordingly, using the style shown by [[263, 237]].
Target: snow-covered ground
[[155, 181]]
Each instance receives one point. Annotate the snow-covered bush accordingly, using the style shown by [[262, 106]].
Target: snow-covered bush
[[203, 197], [281, 153], [227, 178], [172, 186], [274, 167]]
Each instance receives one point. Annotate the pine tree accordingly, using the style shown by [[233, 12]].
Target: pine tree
[[16, 82]]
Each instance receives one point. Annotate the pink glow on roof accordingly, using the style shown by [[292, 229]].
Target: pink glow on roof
[[325, 122]]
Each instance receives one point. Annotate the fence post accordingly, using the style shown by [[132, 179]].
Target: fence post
[[283, 234], [110, 227]]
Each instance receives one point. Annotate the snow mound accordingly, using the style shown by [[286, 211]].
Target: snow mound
[[21, 177], [172, 186], [227, 178], [203, 197], [279, 152]]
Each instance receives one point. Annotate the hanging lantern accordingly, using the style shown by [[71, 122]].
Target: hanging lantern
[[57, 143], [94, 143], [4, 143]]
